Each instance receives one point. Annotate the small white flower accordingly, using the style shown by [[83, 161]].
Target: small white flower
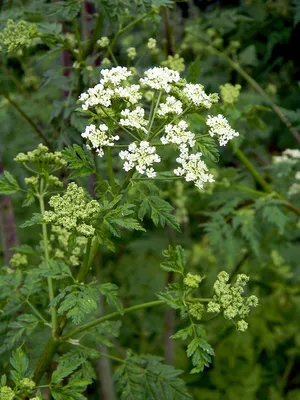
[[130, 93], [171, 106], [98, 138], [134, 119], [97, 95], [114, 75], [178, 134], [193, 168], [141, 158], [195, 93], [160, 78], [220, 127]]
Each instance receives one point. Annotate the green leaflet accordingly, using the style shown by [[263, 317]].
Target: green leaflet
[[146, 377], [199, 350], [8, 184], [159, 211], [77, 301], [36, 218], [175, 260], [80, 160], [20, 365]]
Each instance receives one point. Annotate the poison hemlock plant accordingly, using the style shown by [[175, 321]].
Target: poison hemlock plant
[[65, 305]]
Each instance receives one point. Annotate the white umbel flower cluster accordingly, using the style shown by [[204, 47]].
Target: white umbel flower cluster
[[98, 95], [196, 95], [171, 106], [178, 134], [98, 137], [134, 119], [290, 156], [115, 75], [220, 127], [119, 103], [160, 78], [193, 168], [109, 88], [130, 93], [141, 157]]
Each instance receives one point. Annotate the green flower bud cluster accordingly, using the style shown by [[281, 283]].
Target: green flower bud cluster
[[228, 299], [196, 310], [105, 62], [6, 393], [59, 246], [174, 62], [234, 45], [192, 280], [16, 35], [230, 93], [26, 385], [32, 182], [41, 158], [131, 53], [103, 42], [151, 45], [73, 212], [271, 89], [18, 260]]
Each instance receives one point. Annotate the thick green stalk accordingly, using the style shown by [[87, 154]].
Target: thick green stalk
[[113, 315], [86, 262], [46, 255], [53, 343], [45, 359], [96, 35], [122, 31], [256, 175]]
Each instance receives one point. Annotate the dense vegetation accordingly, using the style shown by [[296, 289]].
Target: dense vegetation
[[149, 224]]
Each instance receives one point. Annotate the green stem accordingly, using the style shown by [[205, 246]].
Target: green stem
[[249, 190], [113, 315], [256, 175], [110, 170], [52, 345], [78, 38], [46, 255], [122, 127], [167, 178], [37, 312], [154, 112], [162, 126], [86, 262], [112, 55], [122, 31], [45, 359], [96, 34], [200, 299], [28, 119]]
